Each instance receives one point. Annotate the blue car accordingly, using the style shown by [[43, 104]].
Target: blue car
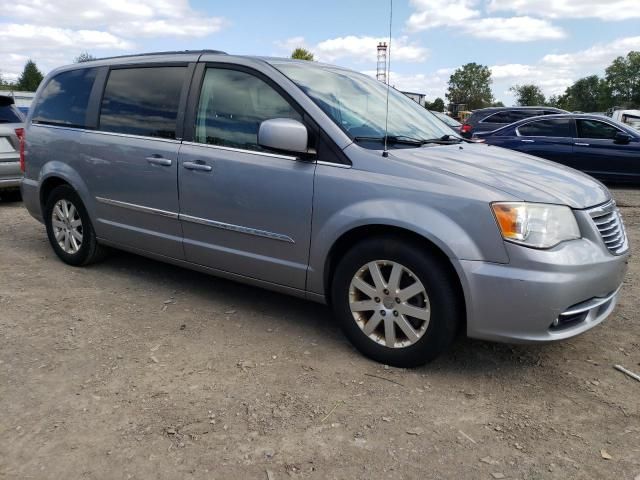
[[594, 144]]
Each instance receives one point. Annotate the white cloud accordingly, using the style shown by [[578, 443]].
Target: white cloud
[[358, 48], [514, 29], [601, 9], [50, 47], [25, 38], [124, 17], [433, 85], [53, 32], [555, 72], [291, 44], [12, 63], [466, 17], [160, 28], [436, 13], [598, 55]]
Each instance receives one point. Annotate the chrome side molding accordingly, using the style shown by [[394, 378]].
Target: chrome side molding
[[200, 221], [237, 228], [137, 208]]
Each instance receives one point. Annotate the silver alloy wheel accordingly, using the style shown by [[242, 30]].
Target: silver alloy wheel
[[389, 303], [67, 226]]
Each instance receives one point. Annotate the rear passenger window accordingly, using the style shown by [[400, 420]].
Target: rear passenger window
[[547, 128], [142, 101], [232, 106], [64, 99]]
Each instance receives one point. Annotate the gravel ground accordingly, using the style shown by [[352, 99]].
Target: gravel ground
[[134, 369]]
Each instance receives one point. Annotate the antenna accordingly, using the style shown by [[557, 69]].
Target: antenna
[[385, 152]]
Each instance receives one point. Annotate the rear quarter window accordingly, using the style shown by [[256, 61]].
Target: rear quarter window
[[64, 99]]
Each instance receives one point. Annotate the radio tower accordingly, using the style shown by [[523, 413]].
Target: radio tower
[[381, 72]]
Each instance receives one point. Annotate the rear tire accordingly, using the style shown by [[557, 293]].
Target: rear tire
[[69, 228], [397, 302]]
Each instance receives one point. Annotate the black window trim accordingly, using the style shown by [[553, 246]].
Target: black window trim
[[194, 98], [98, 91], [572, 127]]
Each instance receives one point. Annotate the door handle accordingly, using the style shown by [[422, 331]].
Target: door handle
[[581, 144], [198, 165], [153, 160], [528, 141]]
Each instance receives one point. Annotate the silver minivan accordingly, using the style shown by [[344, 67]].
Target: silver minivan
[[290, 175]]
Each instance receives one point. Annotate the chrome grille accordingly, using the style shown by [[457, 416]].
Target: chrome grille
[[611, 227]]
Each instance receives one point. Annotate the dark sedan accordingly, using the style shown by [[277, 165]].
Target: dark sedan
[[594, 144]]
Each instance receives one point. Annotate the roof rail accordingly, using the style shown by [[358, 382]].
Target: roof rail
[[170, 52]]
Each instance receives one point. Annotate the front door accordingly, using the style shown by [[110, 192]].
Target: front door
[[244, 210], [599, 155]]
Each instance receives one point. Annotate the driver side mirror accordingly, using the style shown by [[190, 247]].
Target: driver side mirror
[[283, 134], [622, 138]]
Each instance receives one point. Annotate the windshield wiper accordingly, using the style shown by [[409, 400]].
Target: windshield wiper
[[392, 139], [444, 140], [406, 140]]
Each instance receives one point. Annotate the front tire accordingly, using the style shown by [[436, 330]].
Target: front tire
[[69, 228], [396, 301]]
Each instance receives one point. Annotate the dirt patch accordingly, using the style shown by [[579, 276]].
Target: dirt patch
[[137, 369]]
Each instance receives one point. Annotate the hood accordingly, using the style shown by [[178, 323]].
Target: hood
[[529, 178]]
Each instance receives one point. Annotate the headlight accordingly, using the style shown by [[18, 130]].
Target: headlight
[[536, 225]]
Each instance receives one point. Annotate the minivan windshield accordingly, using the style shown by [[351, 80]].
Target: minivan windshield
[[357, 104]]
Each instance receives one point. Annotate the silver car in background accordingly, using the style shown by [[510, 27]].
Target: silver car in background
[[11, 130], [283, 174]]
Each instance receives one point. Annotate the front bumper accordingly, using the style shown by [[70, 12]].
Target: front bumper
[[544, 295]]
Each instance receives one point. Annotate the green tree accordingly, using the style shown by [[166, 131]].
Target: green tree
[[554, 101], [497, 104], [623, 80], [589, 94], [471, 85], [30, 78], [302, 54], [84, 57], [528, 95], [437, 105]]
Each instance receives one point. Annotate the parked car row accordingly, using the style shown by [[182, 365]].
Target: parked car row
[[594, 144], [493, 118]]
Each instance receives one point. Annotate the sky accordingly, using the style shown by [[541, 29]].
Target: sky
[[548, 42]]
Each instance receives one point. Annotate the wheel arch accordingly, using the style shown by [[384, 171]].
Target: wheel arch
[[351, 237], [48, 185], [57, 173]]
